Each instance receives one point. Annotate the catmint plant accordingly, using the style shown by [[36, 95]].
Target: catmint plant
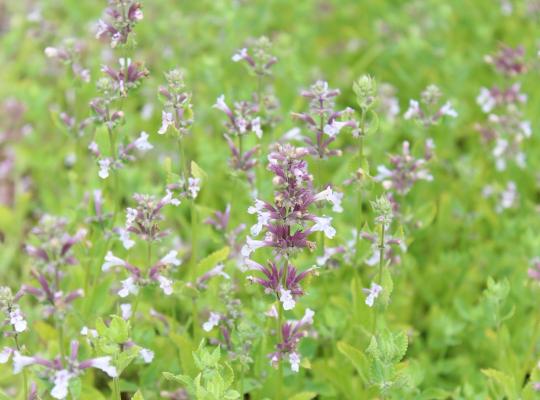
[[323, 120], [505, 129], [430, 109]]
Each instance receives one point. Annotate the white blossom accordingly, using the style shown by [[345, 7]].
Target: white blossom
[[112, 261], [286, 299], [212, 322], [323, 224]]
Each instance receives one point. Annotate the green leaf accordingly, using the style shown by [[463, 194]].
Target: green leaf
[[356, 357], [198, 172], [137, 396], [212, 260], [304, 396]]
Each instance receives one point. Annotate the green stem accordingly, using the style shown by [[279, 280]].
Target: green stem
[[279, 383], [379, 277]]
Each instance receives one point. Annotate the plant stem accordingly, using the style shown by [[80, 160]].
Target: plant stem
[[279, 382], [379, 277]]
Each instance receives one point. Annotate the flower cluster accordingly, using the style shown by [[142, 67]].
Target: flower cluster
[[119, 20], [136, 279], [429, 111], [324, 120], [243, 120], [178, 112], [128, 76], [257, 57], [69, 53], [13, 316], [144, 219], [291, 334], [506, 197], [505, 129], [59, 371], [405, 170], [288, 222], [125, 154]]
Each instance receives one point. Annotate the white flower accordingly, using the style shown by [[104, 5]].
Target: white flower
[[85, 331], [372, 293], [333, 197], [447, 109], [167, 120], [126, 311], [323, 224], [51, 52], [485, 100], [194, 186], [20, 362], [93, 147], [273, 312], [142, 143], [256, 127], [131, 216], [525, 127], [128, 286], [413, 111], [262, 216], [5, 355], [212, 322], [17, 320], [104, 167], [307, 319], [170, 258], [112, 261], [221, 105], [104, 364], [147, 355], [251, 245], [165, 284], [127, 242], [286, 299], [61, 384], [240, 55], [294, 359], [334, 128]]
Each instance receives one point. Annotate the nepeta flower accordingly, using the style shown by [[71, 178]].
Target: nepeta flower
[[372, 293], [178, 111], [282, 282], [13, 315], [429, 111], [405, 170], [128, 76], [389, 254], [508, 61], [119, 20], [131, 285], [322, 119], [506, 197], [212, 322], [61, 371], [257, 58], [69, 53], [291, 333]]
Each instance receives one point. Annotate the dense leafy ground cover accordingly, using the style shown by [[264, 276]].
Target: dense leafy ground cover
[[223, 199]]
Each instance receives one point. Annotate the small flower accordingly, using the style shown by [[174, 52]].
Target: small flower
[[112, 261], [286, 299], [170, 258], [165, 284], [142, 143], [194, 186], [128, 287], [17, 320], [167, 120], [61, 384], [294, 359], [104, 167], [372, 293], [212, 322], [147, 355], [331, 196], [323, 224], [126, 311]]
